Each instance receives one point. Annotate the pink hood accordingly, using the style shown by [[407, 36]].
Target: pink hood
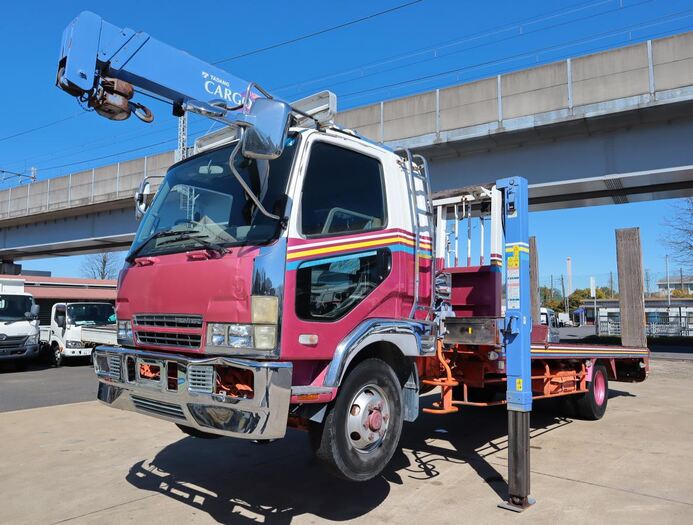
[[194, 283]]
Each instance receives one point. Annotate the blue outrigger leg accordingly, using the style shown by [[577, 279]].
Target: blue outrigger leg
[[517, 339]]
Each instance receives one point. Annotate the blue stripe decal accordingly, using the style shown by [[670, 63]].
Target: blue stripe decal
[[315, 262], [306, 263]]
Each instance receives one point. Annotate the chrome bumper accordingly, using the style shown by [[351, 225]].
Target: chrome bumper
[[263, 416]]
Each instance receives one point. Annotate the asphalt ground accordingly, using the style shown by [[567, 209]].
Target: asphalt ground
[[42, 385], [86, 463]]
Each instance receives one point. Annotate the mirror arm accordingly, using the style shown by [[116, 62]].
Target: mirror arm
[[245, 187]]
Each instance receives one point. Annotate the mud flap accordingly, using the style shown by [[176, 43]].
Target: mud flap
[[410, 396]]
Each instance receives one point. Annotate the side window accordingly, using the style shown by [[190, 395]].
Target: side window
[[59, 311], [342, 192], [328, 289]]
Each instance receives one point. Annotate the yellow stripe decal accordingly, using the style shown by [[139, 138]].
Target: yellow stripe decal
[[354, 245]]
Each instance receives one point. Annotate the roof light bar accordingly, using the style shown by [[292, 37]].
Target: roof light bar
[[321, 106]]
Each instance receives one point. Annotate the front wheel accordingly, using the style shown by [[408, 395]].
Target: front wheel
[[57, 357], [592, 404], [362, 427]]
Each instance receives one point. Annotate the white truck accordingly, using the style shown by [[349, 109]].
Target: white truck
[[19, 328], [76, 328], [549, 319]]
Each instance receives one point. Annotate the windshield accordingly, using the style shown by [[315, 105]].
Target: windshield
[[91, 314], [14, 307], [201, 199]]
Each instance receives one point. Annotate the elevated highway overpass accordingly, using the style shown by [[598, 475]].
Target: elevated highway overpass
[[612, 127]]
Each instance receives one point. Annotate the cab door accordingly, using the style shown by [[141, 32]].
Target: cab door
[[343, 253]]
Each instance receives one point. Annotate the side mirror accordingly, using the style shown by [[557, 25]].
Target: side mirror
[[35, 309], [143, 198], [60, 321], [269, 125]]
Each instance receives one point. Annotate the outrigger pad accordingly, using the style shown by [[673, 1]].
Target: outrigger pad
[[507, 505]]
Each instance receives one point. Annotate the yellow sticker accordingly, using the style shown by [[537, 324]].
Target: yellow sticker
[[514, 261], [518, 385]]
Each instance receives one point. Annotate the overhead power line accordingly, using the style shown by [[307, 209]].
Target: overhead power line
[[6, 173], [109, 156], [37, 128], [316, 33], [600, 36], [435, 50]]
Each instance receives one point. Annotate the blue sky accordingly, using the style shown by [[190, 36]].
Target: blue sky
[[377, 59]]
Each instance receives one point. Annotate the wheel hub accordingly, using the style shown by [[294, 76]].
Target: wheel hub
[[368, 419]]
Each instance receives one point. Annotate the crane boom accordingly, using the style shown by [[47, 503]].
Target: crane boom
[[100, 63]]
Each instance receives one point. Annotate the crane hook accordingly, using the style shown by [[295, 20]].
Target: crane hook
[[141, 111]]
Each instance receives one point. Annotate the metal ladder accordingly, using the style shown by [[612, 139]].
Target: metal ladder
[[420, 186]]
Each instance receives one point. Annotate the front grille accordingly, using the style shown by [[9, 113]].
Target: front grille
[[169, 339], [13, 341], [158, 407], [201, 378], [168, 320], [114, 365]]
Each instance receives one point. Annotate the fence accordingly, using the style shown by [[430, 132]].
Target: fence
[[664, 326], [107, 183]]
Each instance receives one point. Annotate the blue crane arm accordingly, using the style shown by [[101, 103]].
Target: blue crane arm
[[100, 63]]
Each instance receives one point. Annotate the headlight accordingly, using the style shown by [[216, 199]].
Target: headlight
[[32, 339], [125, 333], [240, 336], [264, 309], [219, 334], [233, 335], [265, 337], [73, 344]]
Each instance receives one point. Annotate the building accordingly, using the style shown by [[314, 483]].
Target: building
[[50, 290], [661, 318], [676, 282]]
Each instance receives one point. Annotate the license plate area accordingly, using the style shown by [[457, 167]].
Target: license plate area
[[149, 372]]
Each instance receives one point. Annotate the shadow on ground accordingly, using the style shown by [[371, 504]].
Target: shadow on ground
[[237, 482]]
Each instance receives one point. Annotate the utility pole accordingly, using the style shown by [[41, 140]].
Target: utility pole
[[666, 266], [565, 297], [647, 282], [569, 270], [551, 292], [611, 285]]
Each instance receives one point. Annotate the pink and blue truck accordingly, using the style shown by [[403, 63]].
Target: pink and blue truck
[[292, 273]]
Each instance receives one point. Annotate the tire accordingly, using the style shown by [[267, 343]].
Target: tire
[[190, 431], [592, 405], [362, 427], [57, 357]]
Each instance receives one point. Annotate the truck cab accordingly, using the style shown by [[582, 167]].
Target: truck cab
[[19, 328], [550, 320], [240, 317], [65, 336]]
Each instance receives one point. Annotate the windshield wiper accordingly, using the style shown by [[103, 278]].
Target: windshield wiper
[[157, 235], [200, 240]]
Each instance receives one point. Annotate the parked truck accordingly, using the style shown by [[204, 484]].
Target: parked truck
[[292, 273], [76, 328], [19, 328]]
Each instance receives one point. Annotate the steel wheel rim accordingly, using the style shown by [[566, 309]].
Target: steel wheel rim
[[368, 419], [599, 388]]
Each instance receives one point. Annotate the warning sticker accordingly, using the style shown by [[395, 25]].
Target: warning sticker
[[513, 290], [518, 385]]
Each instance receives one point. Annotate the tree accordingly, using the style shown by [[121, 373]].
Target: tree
[[551, 298], [104, 265], [679, 235]]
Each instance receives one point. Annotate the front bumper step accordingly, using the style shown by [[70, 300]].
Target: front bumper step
[[183, 398]]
